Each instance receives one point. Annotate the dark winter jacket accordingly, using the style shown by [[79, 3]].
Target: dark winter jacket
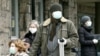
[[68, 31], [88, 48], [30, 37]]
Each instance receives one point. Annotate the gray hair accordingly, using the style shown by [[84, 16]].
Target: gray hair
[[34, 22]]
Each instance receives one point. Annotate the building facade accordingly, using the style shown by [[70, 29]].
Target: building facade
[[15, 16], [5, 19]]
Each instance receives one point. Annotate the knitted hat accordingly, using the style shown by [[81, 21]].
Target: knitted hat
[[84, 19], [55, 7]]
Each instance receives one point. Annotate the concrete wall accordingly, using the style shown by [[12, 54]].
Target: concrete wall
[[24, 16], [70, 10], [5, 23]]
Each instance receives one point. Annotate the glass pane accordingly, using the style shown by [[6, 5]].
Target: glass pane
[[13, 18]]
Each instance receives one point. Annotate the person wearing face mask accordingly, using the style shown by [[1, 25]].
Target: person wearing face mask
[[12, 48], [17, 48], [21, 49], [86, 38], [31, 31], [53, 31], [30, 36]]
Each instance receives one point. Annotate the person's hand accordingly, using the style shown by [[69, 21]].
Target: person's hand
[[95, 41], [62, 41]]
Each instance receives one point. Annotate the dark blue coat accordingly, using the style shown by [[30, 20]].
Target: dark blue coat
[[88, 48]]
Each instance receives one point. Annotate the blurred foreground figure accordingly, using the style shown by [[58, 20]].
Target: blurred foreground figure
[[17, 48]]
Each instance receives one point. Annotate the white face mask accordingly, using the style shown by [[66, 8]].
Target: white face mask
[[32, 30], [57, 14], [88, 23], [12, 50]]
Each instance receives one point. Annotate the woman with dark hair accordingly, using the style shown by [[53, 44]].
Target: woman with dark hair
[[86, 38]]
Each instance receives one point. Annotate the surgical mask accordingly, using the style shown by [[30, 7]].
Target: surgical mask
[[12, 50], [32, 30], [57, 14], [88, 23]]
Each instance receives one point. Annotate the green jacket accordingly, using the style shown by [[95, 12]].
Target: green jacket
[[68, 32]]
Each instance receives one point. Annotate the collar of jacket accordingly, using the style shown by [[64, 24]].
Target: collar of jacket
[[48, 21]]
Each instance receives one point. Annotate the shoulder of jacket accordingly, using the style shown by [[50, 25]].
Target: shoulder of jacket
[[24, 54], [69, 21], [81, 29]]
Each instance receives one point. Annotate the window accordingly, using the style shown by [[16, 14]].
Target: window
[[14, 19]]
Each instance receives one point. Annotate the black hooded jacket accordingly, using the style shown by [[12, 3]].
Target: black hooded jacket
[[29, 36]]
